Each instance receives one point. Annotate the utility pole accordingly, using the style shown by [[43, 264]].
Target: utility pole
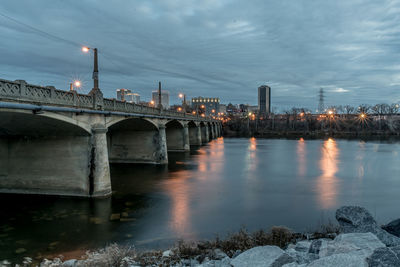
[[159, 96], [321, 101]]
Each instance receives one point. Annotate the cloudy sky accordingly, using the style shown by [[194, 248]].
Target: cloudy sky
[[215, 48]]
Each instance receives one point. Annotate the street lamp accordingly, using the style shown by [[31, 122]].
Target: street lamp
[[95, 68], [183, 96], [76, 84]]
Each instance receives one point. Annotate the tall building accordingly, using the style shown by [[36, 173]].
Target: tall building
[[264, 99], [122, 93], [133, 98], [210, 105], [164, 99], [128, 96]]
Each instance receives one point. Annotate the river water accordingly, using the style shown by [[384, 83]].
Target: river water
[[215, 189]]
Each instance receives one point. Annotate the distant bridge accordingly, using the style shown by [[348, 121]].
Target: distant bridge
[[61, 142]]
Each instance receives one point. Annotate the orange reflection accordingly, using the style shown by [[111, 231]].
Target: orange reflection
[[253, 144], [251, 158], [178, 189], [301, 157], [210, 160], [327, 182]]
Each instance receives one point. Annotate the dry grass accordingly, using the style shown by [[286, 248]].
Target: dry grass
[[122, 256]]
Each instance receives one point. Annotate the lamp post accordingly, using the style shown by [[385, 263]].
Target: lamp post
[[95, 75], [183, 101]]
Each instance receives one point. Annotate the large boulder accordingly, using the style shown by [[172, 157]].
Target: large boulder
[[354, 219], [363, 243], [393, 227], [385, 257], [262, 256], [340, 260]]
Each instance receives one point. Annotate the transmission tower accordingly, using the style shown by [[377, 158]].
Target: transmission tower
[[321, 106]]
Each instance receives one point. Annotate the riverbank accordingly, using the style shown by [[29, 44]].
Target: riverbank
[[313, 134], [358, 241]]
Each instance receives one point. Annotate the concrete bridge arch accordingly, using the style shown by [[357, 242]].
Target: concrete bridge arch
[[44, 153], [137, 140]]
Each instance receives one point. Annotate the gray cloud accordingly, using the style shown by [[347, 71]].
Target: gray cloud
[[220, 48]]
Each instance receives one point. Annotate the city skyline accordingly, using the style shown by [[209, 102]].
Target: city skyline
[[295, 48]]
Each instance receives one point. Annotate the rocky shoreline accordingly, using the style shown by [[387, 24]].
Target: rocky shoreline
[[360, 241]]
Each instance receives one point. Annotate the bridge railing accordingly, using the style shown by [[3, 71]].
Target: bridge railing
[[20, 91]]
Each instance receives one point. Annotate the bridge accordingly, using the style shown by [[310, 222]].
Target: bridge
[[61, 142]]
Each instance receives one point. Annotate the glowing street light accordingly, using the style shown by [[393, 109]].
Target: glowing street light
[[75, 83], [152, 103]]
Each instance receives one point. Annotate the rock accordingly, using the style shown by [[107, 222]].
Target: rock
[[168, 253], [215, 263], [316, 245], [115, 217], [354, 219], [218, 254], [340, 260], [262, 256], [69, 263], [5, 263], [301, 257], [20, 250], [236, 253], [364, 243], [385, 257], [294, 264], [393, 227], [301, 246]]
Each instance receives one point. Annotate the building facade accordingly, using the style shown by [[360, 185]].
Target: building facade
[[128, 96], [264, 99], [208, 105], [164, 99]]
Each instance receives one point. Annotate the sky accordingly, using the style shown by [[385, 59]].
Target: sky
[[210, 48]]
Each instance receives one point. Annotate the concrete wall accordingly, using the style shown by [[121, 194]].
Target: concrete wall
[[45, 165]]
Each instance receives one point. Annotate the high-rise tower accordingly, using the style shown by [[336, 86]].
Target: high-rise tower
[[264, 99]]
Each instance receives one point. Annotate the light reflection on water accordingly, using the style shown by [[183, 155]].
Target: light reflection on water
[[213, 190], [327, 184]]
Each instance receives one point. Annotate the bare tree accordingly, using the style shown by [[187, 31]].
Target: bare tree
[[348, 109]]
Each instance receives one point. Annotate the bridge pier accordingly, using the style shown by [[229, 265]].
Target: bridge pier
[[214, 133], [205, 138], [162, 144], [99, 178], [194, 134], [186, 138]]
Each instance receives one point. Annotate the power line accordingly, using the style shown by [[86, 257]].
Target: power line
[[41, 32]]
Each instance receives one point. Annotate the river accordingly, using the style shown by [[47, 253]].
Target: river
[[215, 189]]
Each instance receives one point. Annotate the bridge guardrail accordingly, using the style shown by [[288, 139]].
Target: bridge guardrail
[[19, 90]]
